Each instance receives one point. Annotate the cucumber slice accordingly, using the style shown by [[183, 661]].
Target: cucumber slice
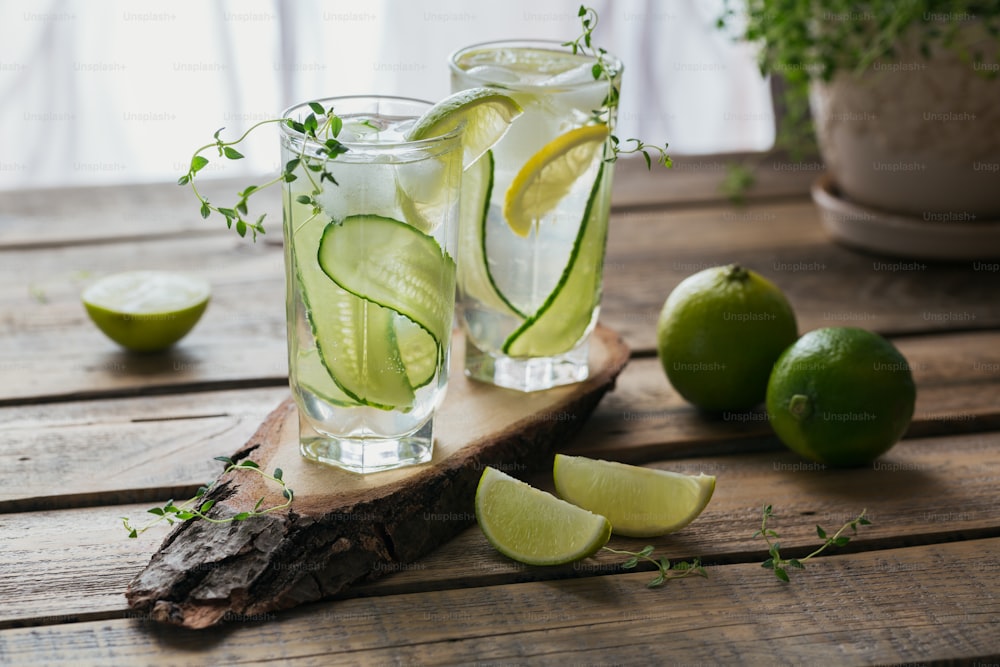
[[357, 343], [394, 265], [419, 352], [564, 317], [474, 276], [311, 375], [355, 340]]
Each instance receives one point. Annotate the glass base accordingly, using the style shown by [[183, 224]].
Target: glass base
[[367, 455], [527, 374]]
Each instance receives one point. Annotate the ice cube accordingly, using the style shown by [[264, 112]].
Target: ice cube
[[493, 74], [571, 77]]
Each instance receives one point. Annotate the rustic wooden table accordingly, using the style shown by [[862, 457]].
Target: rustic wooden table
[[89, 434]]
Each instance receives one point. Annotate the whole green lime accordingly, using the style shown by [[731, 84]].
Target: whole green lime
[[719, 334], [841, 396], [146, 311]]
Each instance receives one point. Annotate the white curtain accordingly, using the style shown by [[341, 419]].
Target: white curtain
[[113, 91]]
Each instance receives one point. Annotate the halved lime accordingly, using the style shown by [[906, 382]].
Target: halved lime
[[146, 311], [534, 527], [486, 113], [562, 320], [547, 177], [639, 502]]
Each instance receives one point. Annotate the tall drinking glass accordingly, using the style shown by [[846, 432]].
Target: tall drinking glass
[[370, 236], [535, 215]]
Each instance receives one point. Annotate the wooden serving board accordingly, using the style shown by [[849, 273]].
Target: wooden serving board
[[344, 527]]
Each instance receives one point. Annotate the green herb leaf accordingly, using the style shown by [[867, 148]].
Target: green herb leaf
[[310, 124], [778, 564], [232, 153], [198, 162]]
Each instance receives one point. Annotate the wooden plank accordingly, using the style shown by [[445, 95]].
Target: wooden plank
[[87, 215], [71, 216], [847, 609], [124, 450], [699, 179], [85, 560], [645, 419], [53, 352], [650, 252], [922, 491]]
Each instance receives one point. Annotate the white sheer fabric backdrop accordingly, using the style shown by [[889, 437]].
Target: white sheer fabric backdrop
[[117, 91]]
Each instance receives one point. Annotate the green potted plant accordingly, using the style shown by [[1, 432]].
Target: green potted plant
[[905, 102]]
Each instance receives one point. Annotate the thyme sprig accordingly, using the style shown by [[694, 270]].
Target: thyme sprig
[[324, 132], [665, 569], [603, 69], [196, 508], [780, 565]]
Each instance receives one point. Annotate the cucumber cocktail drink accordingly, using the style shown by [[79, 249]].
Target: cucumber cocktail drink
[[535, 215], [370, 236]]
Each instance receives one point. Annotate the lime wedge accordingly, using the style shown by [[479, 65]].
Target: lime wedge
[[639, 502], [486, 113], [549, 175], [146, 311], [563, 319], [534, 527]]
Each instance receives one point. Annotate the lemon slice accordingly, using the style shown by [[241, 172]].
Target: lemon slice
[[549, 175], [534, 527], [639, 502], [486, 113], [146, 311]]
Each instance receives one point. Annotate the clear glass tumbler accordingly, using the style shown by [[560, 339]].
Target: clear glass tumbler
[[535, 215], [370, 228]]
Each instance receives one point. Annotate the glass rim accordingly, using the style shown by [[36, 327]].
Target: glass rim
[[544, 44], [366, 146]]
